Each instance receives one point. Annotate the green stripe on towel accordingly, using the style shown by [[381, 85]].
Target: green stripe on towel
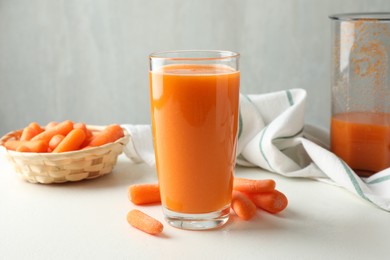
[[354, 181], [291, 103], [291, 136], [290, 97], [380, 179], [261, 148]]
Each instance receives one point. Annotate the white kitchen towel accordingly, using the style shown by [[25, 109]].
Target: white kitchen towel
[[272, 135]]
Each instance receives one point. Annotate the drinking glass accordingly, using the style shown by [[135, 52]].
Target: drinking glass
[[194, 97]]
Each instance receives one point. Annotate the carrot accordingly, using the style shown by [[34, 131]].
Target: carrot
[[71, 142], [55, 141], [273, 202], [141, 194], [110, 134], [253, 186], [23, 148], [242, 206], [51, 125], [12, 144], [62, 128], [144, 222], [30, 131], [37, 146], [88, 133]]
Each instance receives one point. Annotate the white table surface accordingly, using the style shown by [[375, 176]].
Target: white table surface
[[87, 220]]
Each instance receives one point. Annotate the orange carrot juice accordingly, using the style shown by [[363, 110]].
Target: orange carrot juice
[[362, 140], [194, 116]]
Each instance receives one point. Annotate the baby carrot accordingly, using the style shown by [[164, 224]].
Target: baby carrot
[[110, 134], [71, 142], [88, 133], [55, 141], [242, 206], [12, 144], [23, 148], [27, 134], [146, 193], [273, 201], [36, 126], [51, 124], [62, 128], [30, 131], [38, 146], [144, 222], [253, 186]]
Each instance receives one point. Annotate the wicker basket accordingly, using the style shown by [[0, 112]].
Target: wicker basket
[[68, 166]]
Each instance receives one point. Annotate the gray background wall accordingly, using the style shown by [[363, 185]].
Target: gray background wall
[[86, 60]]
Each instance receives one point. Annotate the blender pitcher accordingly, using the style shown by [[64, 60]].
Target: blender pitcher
[[360, 123]]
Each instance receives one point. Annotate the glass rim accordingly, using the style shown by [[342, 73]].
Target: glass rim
[[364, 16], [165, 55]]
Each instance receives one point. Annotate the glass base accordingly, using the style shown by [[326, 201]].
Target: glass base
[[202, 221]]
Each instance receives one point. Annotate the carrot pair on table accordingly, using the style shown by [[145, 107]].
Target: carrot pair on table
[[247, 196], [62, 137]]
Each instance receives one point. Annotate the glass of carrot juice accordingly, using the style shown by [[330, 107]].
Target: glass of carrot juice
[[360, 123], [194, 98]]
